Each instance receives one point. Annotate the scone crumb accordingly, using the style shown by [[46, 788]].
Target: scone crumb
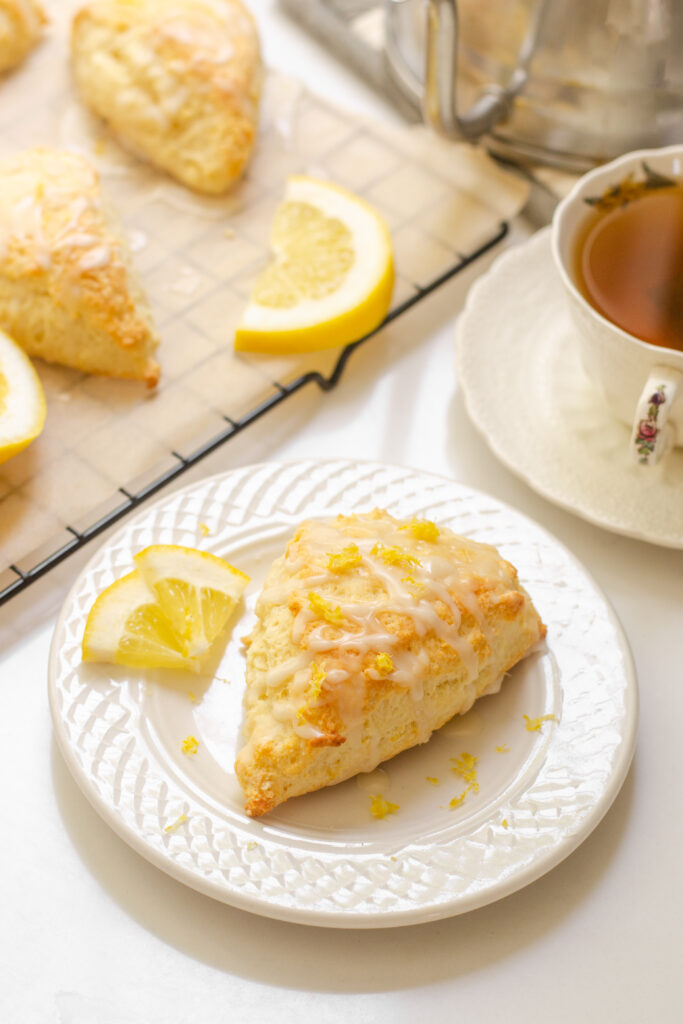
[[534, 724], [190, 745], [379, 807], [176, 824], [348, 558], [422, 529], [434, 781]]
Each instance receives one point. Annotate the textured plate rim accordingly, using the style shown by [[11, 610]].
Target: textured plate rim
[[581, 510], [338, 918]]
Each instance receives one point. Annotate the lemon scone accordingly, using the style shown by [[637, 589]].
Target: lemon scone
[[178, 81], [21, 23], [67, 291], [371, 632]]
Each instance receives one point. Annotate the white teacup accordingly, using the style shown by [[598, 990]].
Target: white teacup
[[642, 384]]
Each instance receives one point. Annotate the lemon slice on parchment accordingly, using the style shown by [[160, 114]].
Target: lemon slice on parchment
[[331, 277], [165, 614], [22, 401]]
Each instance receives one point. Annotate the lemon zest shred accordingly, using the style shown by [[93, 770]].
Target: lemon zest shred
[[191, 696], [466, 767], [534, 724], [324, 609], [422, 529], [413, 584], [176, 824], [190, 745], [504, 823], [348, 558], [434, 781], [395, 556], [503, 749], [318, 676], [384, 664], [457, 801], [379, 807], [205, 529]]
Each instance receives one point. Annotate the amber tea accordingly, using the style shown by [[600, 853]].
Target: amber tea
[[629, 259]]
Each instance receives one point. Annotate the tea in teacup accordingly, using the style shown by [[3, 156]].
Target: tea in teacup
[[629, 257]]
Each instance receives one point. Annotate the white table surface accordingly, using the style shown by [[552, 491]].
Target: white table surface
[[90, 933]]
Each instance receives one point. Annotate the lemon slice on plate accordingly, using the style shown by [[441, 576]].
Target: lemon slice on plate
[[22, 401], [165, 614], [331, 277], [196, 591]]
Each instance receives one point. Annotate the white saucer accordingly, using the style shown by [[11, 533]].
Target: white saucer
[[527, 393]]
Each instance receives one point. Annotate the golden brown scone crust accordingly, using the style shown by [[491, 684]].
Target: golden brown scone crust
[[21, 25], [67, 292], [178, 81], [451, 622]]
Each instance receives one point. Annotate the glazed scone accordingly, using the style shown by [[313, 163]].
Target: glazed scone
[[21, 25], [371, 633], [178, 81], [67, 291]]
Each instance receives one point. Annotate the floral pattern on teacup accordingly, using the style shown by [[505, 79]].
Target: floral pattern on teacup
[[647, 431]]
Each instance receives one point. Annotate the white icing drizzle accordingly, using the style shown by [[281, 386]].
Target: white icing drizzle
[[428, 581], [30, 220]]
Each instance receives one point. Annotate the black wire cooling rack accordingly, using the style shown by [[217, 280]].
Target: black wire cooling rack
[[21, 578]]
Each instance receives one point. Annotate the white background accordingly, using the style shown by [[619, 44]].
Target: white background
[[90, 933]]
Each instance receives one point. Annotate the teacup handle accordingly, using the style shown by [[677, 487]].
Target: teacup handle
[[652, 433]]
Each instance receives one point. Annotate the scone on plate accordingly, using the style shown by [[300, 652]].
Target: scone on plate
[[371, 632], [21, 25], [67, 291], [178, 81]]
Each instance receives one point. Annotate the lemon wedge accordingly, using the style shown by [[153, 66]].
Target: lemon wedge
[[165, 614], [331, 277], [196, 591], [125, 626], [22, 401]]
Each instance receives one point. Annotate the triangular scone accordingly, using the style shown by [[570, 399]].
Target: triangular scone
[[371, 633], [67, 292], [178, 81], [21, 24]]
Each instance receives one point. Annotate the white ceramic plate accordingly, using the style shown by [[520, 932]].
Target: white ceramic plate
[[323, 859], [525, 390]]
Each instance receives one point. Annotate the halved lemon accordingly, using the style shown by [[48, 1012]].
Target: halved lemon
[[331, 277], [165, 614], [22, 401], [196, 591]]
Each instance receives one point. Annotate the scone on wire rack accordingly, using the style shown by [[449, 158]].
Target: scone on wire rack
[[371, 633], [21, 25], [67, 291], [177, 81]]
